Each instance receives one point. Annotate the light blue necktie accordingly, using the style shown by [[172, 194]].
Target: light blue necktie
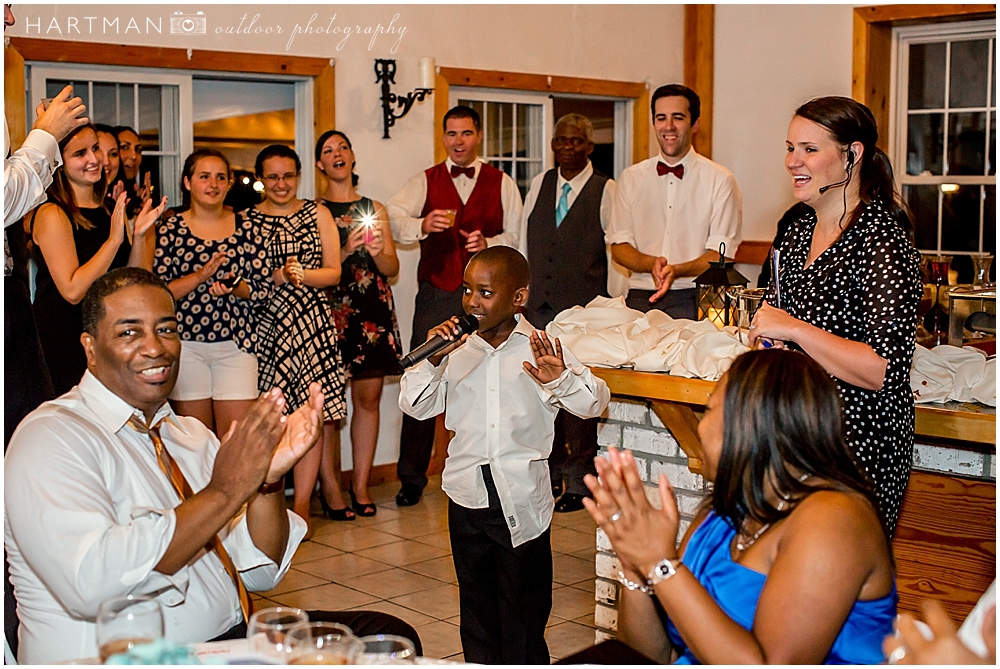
[[563, 207]]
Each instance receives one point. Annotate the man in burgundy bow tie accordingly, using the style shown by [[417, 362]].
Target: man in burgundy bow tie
[[454, 209], [672, 211]]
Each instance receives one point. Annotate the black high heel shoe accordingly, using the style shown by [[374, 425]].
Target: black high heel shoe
[[363, 510], [345, 514]]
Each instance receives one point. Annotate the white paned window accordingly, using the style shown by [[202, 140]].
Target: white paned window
[[516, 131], [943, 139]]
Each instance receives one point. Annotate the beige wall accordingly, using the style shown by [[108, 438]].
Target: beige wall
[[769, 59]]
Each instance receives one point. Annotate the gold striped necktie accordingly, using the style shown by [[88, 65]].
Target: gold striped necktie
[[173, 472]]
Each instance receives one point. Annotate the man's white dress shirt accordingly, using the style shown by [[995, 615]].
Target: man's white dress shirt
[[88, 513], [501, 417], [27, 172], [678, 219], [576, 185], [405, 207]]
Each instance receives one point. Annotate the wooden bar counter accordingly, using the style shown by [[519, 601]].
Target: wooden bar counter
[[945, 542]]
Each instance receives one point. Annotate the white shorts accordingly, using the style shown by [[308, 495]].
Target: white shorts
[[215, 370]]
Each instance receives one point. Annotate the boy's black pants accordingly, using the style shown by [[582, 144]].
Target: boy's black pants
[[505, 593]]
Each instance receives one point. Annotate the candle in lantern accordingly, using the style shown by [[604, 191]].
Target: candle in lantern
[[427, 73]]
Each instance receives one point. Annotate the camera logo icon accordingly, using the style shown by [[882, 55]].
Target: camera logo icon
[[188, 24]]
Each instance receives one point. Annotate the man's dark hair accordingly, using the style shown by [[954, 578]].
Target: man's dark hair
[[509, 260], [461, 111], [276, 151], [678, 91], [109, 284]]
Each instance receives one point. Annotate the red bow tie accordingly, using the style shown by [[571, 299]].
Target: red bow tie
[[467, 171], [661, 169]]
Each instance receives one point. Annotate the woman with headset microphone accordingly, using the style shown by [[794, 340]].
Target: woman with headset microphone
[[849, 284]]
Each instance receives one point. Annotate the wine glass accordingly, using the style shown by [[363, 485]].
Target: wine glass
[[322, 643], [268, 631], [125, 622], [385, 649], [936, 320]]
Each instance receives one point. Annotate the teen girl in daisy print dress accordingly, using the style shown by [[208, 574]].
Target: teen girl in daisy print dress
[[850, 284], [363, 309]]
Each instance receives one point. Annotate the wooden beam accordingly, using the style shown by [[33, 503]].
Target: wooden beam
[[699, 67], [683, 424], [919, 13], [324, 116], [134, 55], [641, 115], [752, 252], [14, 96], [442, 96], [522, 81]]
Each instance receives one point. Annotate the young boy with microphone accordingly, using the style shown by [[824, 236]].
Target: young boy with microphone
[[500, 390]]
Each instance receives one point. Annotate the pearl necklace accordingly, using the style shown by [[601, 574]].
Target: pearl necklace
[[741, 545]]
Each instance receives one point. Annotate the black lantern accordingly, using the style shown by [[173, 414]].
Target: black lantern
[[714, 302]]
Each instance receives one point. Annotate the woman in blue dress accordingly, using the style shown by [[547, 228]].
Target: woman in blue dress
[[787, 562]]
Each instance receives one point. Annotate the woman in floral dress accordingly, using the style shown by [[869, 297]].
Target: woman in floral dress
[[362, 303]]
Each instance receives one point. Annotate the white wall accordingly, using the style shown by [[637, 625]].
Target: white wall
[[569, 40], [769, 59]]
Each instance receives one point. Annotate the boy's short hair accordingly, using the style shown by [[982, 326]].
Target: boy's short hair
[[510, 260]]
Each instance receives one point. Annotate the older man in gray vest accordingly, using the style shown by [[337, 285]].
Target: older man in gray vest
[[565, 215]]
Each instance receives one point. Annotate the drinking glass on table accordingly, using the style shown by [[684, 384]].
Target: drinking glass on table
[[322, 643], [268, 631], [385, 649], [124, 622]]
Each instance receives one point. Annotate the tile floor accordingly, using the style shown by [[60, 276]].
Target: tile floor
[[399, 562]]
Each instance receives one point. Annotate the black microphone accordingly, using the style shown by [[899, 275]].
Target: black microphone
[[850, 164], [467, 324]]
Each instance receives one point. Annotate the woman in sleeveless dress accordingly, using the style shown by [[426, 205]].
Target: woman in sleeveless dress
[[787, 561], [77, 240], [297, 340], [362, 303]]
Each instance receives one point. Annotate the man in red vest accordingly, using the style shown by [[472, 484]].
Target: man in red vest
[[454, 209]]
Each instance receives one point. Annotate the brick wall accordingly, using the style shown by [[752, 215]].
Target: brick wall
[[632, 425]]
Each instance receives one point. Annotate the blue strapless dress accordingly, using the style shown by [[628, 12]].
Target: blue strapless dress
[[736, 590]]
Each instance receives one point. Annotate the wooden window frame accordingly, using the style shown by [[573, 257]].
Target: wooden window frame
[[21, 49], [872, 55]]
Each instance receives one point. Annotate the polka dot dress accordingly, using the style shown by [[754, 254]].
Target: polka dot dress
[[202, 316], [298, 338], [865, 288]]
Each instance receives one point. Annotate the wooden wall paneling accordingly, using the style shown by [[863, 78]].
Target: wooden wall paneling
[[945, 543], [640, 127], [324, 116], [442, 103], [699, 67], [752, 252], [14, 96]]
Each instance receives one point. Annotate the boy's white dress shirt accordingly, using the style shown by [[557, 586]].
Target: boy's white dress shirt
[[504, 418]]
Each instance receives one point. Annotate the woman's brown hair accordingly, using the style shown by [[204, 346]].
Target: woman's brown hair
[[60, 193]]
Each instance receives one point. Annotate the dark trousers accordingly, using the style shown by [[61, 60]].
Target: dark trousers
[[416, 440], [574, 443], [362, 623], [574, 448], [676, 303], [26, 385], [505, 593]]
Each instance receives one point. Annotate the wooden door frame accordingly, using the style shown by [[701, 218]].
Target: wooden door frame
[[21, 49], [872, 53]]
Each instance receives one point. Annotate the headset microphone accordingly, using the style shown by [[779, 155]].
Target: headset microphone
[[850, 164]]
